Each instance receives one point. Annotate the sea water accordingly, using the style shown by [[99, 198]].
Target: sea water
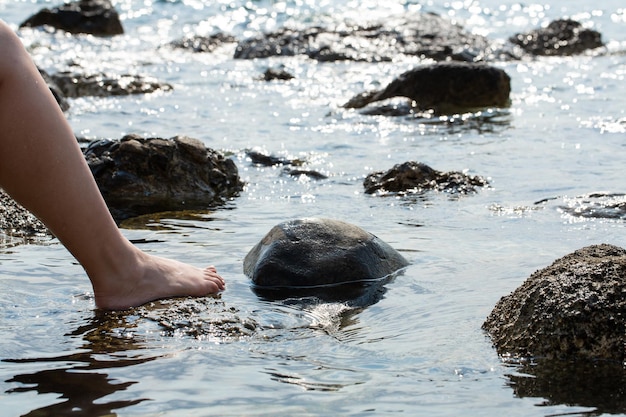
[[420, 349]]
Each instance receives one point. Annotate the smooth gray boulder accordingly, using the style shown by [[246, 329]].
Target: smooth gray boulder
[[319, 252], [573, 309]]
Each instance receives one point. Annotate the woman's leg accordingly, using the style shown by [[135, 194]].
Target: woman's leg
[[43, 168]]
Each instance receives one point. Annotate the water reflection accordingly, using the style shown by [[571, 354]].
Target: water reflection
[[491, 120], [78, 380], [598, 385]]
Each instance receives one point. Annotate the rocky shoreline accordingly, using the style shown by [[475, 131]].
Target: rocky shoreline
[[571, 309]]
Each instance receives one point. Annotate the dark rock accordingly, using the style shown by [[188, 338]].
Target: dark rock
[[203, 43], [272, 74], [596, 206], [308, 254], [572, 309], [16, 221], [417, 177], [424, 35], [139, 176], [102, 85], [95, 17], [560, 37], [306, 172], [262, 159], [446, 88]]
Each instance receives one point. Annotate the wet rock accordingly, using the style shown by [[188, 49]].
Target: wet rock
[[102, 85], [304, 172], [572, 309], [320, 255], [417, 177], [95, 17], [272, 74], [203, 43], [596, 206], [560, 37], [261, 159], [138, 176], [445, 88], [16, 221], [424, 35]]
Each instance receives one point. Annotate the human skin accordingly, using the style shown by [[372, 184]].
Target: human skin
[[43, 168]]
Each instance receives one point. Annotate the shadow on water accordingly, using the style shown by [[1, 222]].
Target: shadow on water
[[598, 385], [80, 381]]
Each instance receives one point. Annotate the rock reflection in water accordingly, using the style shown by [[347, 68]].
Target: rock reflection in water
[[79, 382], [121, 340], [599, 385]]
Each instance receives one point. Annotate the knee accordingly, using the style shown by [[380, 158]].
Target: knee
[[11, 49]]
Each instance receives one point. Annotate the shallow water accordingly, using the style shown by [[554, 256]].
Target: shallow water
[[419, 350]]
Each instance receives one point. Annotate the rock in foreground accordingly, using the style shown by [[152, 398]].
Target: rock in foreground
[[139, 176], [573, 309], [314, 252]]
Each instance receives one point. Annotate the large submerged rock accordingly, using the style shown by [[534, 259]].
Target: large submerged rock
[[573, 309], [424, 35], [319, 253], [95, 17], [416, 177], [139, 176], [446, 88]]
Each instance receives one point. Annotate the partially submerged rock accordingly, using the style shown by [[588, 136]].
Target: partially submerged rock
[[95, 17], [417, 177], [272, 74], [445, 88], [199, 43], [424, 35], [596, 206], [310, 253], [139, 176], [561, 37], [262, 159], [103, 85], [573, 309], [16, 221]]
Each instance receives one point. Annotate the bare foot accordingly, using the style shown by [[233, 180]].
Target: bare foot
[[154, 278]]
